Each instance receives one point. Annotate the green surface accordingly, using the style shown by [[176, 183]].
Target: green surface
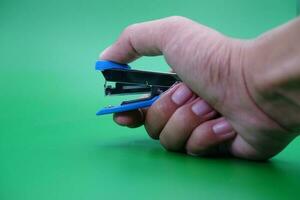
[[52, 146]]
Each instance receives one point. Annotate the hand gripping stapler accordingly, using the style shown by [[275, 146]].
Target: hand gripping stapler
[[125, 80]]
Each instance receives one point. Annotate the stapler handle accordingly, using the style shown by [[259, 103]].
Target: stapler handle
[[127, 107], [102, 65]]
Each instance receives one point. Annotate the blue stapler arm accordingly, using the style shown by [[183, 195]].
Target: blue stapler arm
[[102, 65], [127, 107]]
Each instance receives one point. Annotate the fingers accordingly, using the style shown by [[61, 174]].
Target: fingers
[[182, 123], [131, 119], [208, 136], [160, 112]]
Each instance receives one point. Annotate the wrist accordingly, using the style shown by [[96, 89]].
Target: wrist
[[272, 73]]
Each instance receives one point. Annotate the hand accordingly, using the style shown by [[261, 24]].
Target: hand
[[232, 114]]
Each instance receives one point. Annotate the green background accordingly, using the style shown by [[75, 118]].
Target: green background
[[52, 146]]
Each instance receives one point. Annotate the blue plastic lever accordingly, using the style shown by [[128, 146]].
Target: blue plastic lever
[[127, 107], [105, 64]]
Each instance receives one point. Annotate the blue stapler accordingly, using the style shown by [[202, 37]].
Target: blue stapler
[[129, 81]]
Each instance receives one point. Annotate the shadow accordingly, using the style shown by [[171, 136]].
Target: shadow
[[139, 156]]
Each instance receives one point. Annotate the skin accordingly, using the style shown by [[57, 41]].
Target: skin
[[249, 89]]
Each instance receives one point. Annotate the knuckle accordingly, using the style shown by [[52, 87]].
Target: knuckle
[[130, 29], [158, 111], [175, 140], [157, 114], [167, 144], [151, 131], [176, 22], [174, 30], [176, 18], [194, 150], [195, 147], [183, 114]]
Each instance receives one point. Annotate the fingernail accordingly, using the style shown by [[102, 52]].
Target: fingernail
[[222, 128], [201, 108], [181, 95]]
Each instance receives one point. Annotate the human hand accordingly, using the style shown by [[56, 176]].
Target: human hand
[[229, 117]]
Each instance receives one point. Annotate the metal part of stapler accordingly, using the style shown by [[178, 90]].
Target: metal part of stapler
[[126, 81]]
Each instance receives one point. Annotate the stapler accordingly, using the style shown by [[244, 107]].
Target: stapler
[[120, 79]]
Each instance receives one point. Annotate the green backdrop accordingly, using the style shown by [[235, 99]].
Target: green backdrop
[[52, 146]]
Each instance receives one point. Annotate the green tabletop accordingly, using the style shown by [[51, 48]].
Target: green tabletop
[[53, 146]]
